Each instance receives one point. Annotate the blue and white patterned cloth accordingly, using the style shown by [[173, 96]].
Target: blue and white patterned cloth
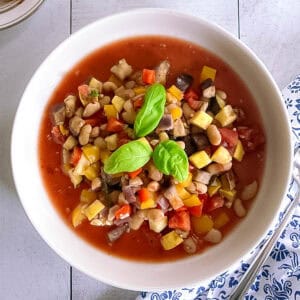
[[279, 278]]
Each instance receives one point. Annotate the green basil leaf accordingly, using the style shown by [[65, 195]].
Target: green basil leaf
[[170, 159], [152, 110], [129, 157]]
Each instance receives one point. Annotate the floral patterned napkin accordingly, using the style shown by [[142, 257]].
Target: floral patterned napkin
[[279, 277]]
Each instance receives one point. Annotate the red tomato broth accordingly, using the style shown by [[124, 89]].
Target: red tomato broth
[[142, 52]]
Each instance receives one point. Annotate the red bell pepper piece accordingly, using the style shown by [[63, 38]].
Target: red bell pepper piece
[[123, 212], [144, 194], [114, 125], [75, 156], [180, 220], [192, 99], [148, 76], [135, 173]]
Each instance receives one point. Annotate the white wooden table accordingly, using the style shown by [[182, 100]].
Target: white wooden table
[[29, 269]]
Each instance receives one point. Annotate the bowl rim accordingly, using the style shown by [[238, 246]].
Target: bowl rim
[[163, 11]]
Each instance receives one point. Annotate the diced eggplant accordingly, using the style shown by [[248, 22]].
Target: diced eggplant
[[163, 203], [116, 233], [120, 222], [166, 123], [129, 194], [206, 83], [190, 145], [201, 141], [179, 129], [214, 106], [184, 81]]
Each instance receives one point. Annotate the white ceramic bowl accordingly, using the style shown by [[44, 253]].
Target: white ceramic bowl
[[137, 275]]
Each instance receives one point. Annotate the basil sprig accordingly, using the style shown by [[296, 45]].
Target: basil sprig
[[170, 159], [129, 157], [152, 110]]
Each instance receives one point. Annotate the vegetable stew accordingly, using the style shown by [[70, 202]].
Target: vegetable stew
[[152, 148]]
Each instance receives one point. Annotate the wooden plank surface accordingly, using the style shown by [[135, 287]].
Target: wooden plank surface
[[224, 13], [29, 269], [271, 29]]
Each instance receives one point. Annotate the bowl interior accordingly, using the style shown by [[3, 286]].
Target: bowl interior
[[137, 275]]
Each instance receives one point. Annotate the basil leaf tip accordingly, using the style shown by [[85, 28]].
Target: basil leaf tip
[[152, 110], [170, 159], [129, 157]]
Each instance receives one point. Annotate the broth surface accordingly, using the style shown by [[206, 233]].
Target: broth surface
[[142, 52]]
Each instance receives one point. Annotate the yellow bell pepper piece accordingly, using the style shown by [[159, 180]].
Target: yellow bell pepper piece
[[139, 90], [77, 215], [214, 187], [228, 194], [208, 72], [239, 151], [192, 201], [87, 196], [176, 92], [170, 240], [118, 103], [176, 113], [91, 152], [92, 171], [221, 220], [221, 156], [182, 192], [200, 159], [150, 203], [110, 111], [203, 224], [201, 119], [226, 116], [93, 209]]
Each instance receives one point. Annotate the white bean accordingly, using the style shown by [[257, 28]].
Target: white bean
[[90, 109], [239, 208], [84, 135], [215, 168], [249, 191], [213, 236], [190, 245], [214, 135], [153, 186], [221, 94]]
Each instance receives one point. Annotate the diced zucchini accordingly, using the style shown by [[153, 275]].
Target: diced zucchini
[[182, 192], [77, 215], [92, 171], [118, 103], [157, 220], [82, 164], [239, 151], [150, 203], [95, 84], [226, 116], [227, 180], [176, 92], [171, 240], [221, 156], [93, 209], [203, 224], [201, 119], [75, 178], [110, 111], [87, 196], [228, 194], [214, 187], [221, 220], [200, 159], [208, 72], [112, 142], [193, 200]]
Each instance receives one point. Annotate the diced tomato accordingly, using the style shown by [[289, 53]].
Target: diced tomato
[[214, 203], [180, 220], [57, 135], [182, 208], [84, 90], [196, 210], [138, 103], [75, 156], [135, 173], [148, 76], [229, 136], [92, 122], [204, 199], [114, 125], [192, 99], [251, 138], [123, 212], [144, 194]]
